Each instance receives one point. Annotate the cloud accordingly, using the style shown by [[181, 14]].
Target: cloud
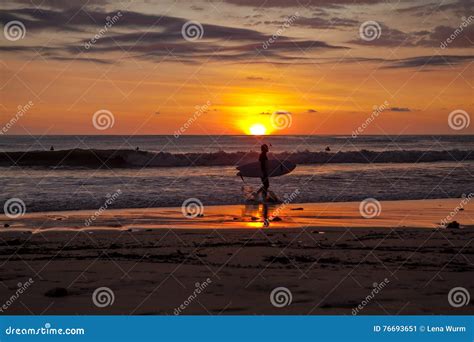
[[422, 61], [413, 62], [459, 8], [78, 59], [311, 111], [454, 37], [157, 37], [197, 8], [255, 78], [462, 36], [219, 43], [61, 4], [85, 21], [400, 109], [302, 3], [277, 112], [317, 22], [389, 37]]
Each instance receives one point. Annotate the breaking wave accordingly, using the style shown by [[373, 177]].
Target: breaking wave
[[138, 159]]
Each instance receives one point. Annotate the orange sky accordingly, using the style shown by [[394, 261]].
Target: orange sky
[[152, 86]]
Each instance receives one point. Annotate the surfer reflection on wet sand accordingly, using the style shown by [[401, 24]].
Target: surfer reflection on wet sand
[[266, 222], [256, 213]]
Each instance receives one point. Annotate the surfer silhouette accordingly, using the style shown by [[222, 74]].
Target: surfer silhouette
[[263, 169], [263, 166]]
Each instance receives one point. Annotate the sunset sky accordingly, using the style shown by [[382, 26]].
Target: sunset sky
[[318, 67]]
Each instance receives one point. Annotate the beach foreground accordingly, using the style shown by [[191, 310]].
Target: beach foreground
[[331, 260]]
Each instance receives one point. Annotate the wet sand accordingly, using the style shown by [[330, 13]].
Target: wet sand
[[391, 214], [326, 255]]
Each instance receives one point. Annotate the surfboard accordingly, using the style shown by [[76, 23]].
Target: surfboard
[[275, 168]]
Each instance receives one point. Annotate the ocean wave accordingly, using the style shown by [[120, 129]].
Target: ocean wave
[[94, 158]]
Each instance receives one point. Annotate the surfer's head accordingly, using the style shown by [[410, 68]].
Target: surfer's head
[[264, 148]]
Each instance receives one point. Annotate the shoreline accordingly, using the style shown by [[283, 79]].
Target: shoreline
[[388, 214]]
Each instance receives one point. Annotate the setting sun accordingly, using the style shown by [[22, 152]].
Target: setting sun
[[258, 129]]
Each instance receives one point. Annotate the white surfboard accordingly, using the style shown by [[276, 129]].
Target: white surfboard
[[275, 168]]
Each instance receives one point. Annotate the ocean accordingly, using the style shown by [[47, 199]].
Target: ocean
[[167, 170]]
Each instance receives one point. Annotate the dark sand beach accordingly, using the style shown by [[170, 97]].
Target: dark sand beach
[[153, 260]]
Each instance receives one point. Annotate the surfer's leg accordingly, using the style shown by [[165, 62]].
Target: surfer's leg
[[266, 185]]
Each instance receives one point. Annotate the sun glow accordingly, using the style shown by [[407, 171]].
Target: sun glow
[[258, 129]]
